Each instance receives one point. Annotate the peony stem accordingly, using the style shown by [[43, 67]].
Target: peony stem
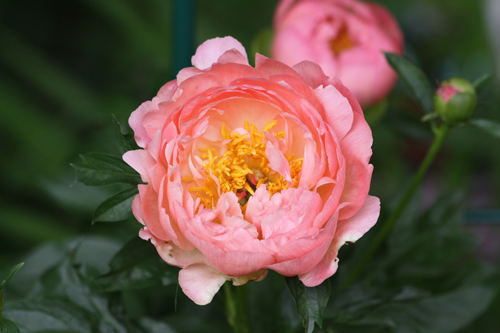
[[440, 135], [237, 307]]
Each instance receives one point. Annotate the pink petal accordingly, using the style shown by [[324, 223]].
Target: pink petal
[[201, 282], [151, 215], [272, 67], [303, 254], [338, 110], [210, 51], [141, 161], [312, 74], [278, 161], [232, 263], [348, 230]]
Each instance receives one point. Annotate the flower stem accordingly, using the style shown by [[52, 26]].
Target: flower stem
[[440, 135], [237, 307]]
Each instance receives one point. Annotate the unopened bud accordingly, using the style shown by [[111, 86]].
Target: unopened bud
[[455, 100]]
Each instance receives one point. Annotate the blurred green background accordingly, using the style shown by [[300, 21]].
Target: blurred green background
[[66, 66]]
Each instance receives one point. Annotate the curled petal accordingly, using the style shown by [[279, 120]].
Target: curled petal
[[210, 51], [349, 230], [201, 282]]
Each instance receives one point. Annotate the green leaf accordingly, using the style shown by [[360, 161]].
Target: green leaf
[[2, 301], [149, 273], [439, 314], [48, 316], [126, 142], [7, 326], [406, 310], [10, 274], [137, 265], [414, 79], [101, 169], [133, 252], [488, 126], [73, 285], [116, 208], [310, 302], [481, 82]]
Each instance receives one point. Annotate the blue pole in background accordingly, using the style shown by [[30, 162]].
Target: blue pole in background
[[183, 19]]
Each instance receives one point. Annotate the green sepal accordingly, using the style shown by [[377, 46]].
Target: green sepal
[[414, 79], [310, 302], [116, 208], [97, 169]]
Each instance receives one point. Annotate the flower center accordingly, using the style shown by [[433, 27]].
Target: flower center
[[341, 42], [243, 167]]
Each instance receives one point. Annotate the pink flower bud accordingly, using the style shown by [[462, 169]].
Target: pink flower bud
[[455, 100]]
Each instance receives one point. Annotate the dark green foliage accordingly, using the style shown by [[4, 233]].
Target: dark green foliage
[[101, 169], [116, 208], [414, 79], [309, 301], [487, 126]]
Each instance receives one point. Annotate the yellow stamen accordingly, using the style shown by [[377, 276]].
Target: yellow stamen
[[244, 158]]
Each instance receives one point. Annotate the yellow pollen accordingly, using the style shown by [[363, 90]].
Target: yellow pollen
[[243, 167]]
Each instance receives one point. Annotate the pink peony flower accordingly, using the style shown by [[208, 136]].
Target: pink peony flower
[[250, 169], [345, 37]]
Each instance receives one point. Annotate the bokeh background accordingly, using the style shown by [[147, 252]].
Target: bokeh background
[[67, 66]]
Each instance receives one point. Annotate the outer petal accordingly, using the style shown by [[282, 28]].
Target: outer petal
[[349, 230], [201, 282], [356, 148], [141, 161], [210, 51]]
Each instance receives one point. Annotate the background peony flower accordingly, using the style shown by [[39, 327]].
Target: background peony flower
[[250, 169], [345, 37]]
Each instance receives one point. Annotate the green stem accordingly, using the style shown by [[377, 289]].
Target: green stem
[[441, 133], [237, 307]]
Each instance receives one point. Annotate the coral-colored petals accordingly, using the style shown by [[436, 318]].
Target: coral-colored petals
[[303, 254], [349, 230], [273, 67], [312, 74], [278, 161], [356, 148], [233, 263], [210, 51], [151, 214], [201, 282], [338, 111], [141, 161]]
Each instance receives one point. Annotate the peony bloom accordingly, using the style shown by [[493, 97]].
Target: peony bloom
[[250, 169], [345, 37]]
